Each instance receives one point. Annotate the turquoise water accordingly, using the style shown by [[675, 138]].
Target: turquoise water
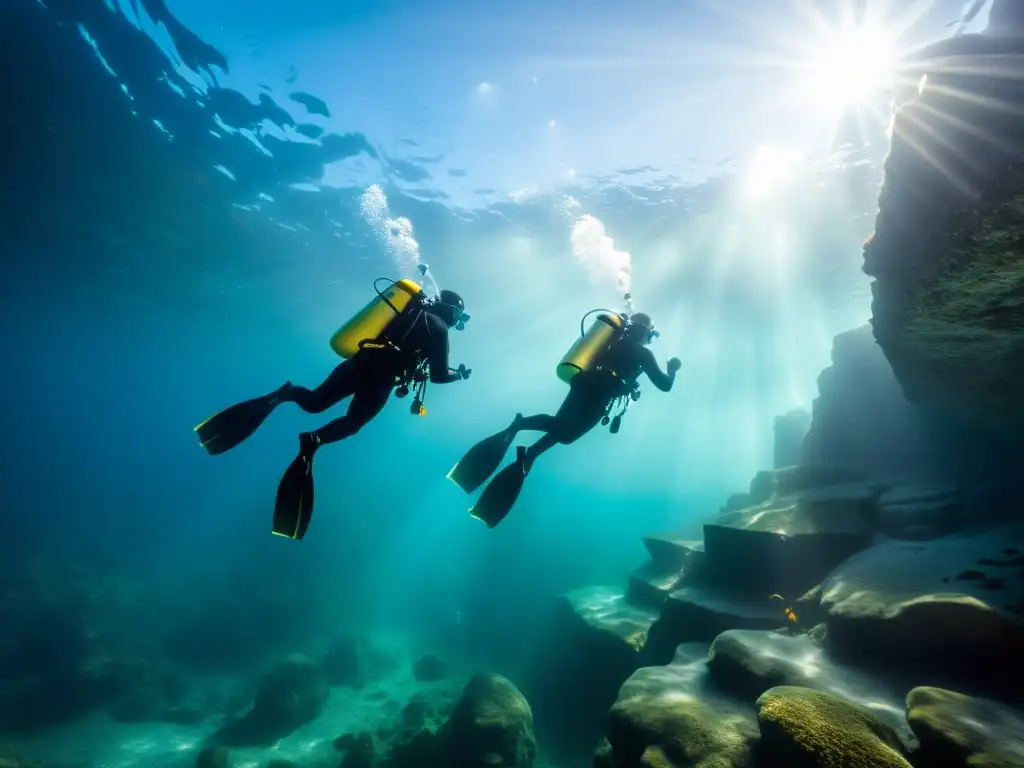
[[204, 191]]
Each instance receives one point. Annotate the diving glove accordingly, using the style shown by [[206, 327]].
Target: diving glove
[[463, 371]]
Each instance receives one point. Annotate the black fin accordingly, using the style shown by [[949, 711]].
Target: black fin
[[501, 493], [481, 461], [293, 507], [226, 429]]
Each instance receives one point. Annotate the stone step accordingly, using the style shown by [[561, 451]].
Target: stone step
[[700, 614], [670, 552], [787, 545]]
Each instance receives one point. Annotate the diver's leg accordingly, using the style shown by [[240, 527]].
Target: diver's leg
[[339, 384], [369, 398], [541, 422], [579, 414], [545, 443]]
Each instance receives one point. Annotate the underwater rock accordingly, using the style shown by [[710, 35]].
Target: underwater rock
[[920, 511], [610, 621], [603, 755], [674, 563], [958, 731], [807, 476], [700, 614], [10, 759], [669, 715], [790, 542], [861, 418], [354, 662], [949, 265], [65, 650], [919, 607], [594, 641], [801, 727], [414, 714], [290, 695], [422, 749], [429, 668], [360, 750], [213, 757], [790, 430], [746, 663], [492, 724], [62, 695]]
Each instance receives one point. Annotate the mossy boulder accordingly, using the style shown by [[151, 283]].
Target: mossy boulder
[[802, 728], [491, 725], [670, 716], [958, 731], [747, 663]]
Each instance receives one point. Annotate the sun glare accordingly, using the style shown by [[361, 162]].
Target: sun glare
[[854, 65], [770, 169]]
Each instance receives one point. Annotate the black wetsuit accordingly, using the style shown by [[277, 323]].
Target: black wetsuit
[[371, 374], [592, 392]]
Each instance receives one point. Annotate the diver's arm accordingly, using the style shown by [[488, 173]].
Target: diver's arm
[[440, 373], [659, 378]]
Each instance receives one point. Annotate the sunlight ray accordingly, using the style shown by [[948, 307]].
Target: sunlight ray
[[962, 184], [1001, 142]]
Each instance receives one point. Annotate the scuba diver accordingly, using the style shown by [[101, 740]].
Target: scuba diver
[[399, 339], [602, 369]]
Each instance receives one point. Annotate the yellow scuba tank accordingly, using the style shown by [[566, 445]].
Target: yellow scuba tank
[[372, 320], [590, 346]]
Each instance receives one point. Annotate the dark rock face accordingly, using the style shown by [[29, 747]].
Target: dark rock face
[[958, 730], [213, 757], [354, 662], [790, 430], [921, 511], [787, 544], [429, 668], [949, 265], [673, 564], [699, 614], [289, 696], [950, 609], [595, 639], [862, 418]]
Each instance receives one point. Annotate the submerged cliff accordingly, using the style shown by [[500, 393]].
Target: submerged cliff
[[947, 253]]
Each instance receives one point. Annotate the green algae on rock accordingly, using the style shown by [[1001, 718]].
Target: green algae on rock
[[671, 716], [747, 663], [804, 728], [492, 724], [958, 730], [961, 342], [947, 253]]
